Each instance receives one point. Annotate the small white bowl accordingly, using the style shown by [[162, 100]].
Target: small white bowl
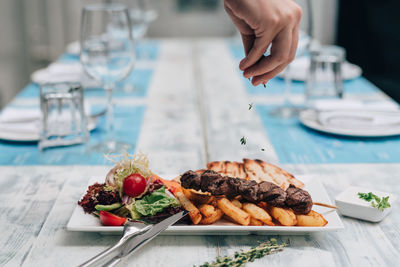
[[349, 204]]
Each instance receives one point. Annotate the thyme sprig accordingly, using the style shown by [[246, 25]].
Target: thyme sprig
[[376, 201], [240, 258]]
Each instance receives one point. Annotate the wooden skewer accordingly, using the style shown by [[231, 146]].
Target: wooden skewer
[[325, 205]]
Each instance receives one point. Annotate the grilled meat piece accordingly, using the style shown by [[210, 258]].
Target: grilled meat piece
[[249, 189], [272, 194], [217, 184], [299, 200], [190, 179]]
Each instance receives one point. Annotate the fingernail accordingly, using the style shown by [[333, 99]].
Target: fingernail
[[242, 64]]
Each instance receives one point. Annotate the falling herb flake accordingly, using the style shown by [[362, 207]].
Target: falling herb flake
[[240, 258], [264, 85], [250, 106], [262, 149], [243, 141]]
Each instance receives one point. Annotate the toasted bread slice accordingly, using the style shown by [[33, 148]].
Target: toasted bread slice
[[259, 170], [232, 169]]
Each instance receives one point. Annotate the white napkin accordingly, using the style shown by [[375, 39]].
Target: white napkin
[[63, 72], [348, 104], [15, 115], [350, 114], [26, 120], [32, 127]]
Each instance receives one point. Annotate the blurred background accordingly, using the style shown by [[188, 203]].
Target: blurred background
[[36, 32]]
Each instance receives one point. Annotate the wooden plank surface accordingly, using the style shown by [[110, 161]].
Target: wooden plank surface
[[39, 237], [226, 107], [197, 111]]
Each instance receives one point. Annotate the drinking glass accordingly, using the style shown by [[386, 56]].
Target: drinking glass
[[63, 116], [107, 55], [325, 73]]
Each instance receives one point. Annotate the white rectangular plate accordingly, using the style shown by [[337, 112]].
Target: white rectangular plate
[[82, 222]]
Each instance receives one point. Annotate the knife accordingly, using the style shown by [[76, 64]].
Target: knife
[[142, 239]]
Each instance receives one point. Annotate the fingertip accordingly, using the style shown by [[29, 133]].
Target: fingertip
[[246, 74], [242, 64]]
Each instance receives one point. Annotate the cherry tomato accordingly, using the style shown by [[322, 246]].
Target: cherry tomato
[[134, 185], [109, 219]]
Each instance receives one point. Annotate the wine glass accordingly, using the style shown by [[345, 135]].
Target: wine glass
[[107, 55]]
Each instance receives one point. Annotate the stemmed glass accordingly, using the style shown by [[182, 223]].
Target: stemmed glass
[[107, 55]]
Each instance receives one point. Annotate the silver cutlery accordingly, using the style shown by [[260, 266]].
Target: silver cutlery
[[135, 235]]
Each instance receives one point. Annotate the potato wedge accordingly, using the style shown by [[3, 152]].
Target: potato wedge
[[237, 203], [188, 193], [255, 222], [215, 216], [234, 212], [198, 197], [194, 212], [313, 218], [258, 213], [285, 217], [207, 210]]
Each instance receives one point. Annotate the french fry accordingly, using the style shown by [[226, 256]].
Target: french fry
[[207, 210], [234, 212], [237, 203], [285, 217], [215, 216], [255, 222], [258, 213], [313, 218], [194, 212]]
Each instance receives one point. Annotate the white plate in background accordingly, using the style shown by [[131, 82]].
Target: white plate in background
[[311, 119]]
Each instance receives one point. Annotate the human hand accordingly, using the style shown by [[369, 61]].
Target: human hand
[[260, 23]]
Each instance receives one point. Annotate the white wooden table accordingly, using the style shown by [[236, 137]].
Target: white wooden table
[[196, 112]]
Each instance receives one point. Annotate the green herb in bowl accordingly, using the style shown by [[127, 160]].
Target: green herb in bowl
[[376, 202]]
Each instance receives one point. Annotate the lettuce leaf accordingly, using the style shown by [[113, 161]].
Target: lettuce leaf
[[128, 210], [156, 202]]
